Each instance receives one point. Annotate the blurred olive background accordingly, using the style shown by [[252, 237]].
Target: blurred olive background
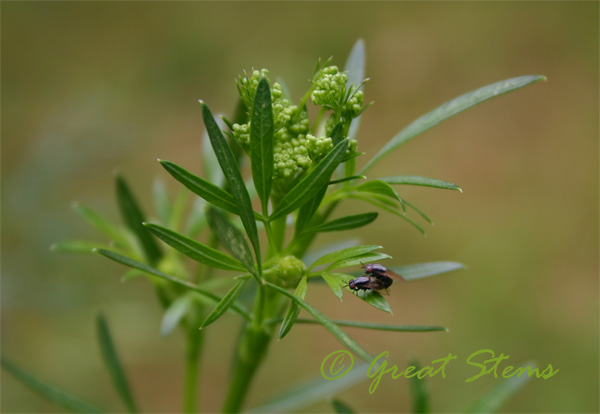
[[93, 87]]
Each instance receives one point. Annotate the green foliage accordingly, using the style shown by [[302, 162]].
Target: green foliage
[[113, 364], [293, 160]]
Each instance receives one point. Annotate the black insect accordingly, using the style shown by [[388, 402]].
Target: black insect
[[378, 277], [381, 272], [369, 283]]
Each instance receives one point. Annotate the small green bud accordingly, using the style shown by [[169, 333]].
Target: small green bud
[[329, 88], [354, 106], [288, 272], [318, 147]]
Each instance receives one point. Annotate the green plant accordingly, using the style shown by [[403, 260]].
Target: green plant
[[301, 171]]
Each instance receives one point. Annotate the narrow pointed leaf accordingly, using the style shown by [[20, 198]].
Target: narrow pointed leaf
[[422, 181], [310, 185], [162, 204], [232, 174], [377, 203], [179, 209], [420, 394], [231, 238], [351, 178], [113, 364], [174, 314], [197, 251], [111, 231], [293, 310], [335, 330], [151, 270], [499, 394], [375, 299], [210, 164], [333, 283], [261, 142], [312, 391], [196, 221], [355, 66], [344, 254], [450, 109], [359, 260], [51, 393], [345, 223], [379, 187], [227, 301], [422, 270], [308, 210], [419, 212], [379, 326], [77, 246], [209, 192], [134, 219], [341, 408]]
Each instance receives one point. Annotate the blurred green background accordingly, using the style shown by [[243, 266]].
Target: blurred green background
[[91, 87]]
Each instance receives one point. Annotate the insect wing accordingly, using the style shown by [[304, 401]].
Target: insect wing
[[391, 274]]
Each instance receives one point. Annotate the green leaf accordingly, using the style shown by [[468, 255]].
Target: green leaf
[[210, 192], [421, 270], [382, 188], [343, 254], [113, 364], [196, 221], [358, 260], [134, 219], [355, 66], [293, 310], [419, 212], [380, 326], [232, 174], [420, 394], [377, 203], [423, 181], [227, 301], [307, 211], [499, 394], [210, 164], [47, 391], [150, 270], [261, 142], [111, 231], [162, 204], [450, 109], [351, 178], [341, 408], [179, 209], [312, 183], [345, 223], [374, 298], [197, 251], [77, 246], [335, 330], [334, 284], [312, 391], [174, 314], [231, 238]]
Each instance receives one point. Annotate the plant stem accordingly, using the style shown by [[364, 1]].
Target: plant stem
[[251, 351], [194, 342], [191, 379]]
